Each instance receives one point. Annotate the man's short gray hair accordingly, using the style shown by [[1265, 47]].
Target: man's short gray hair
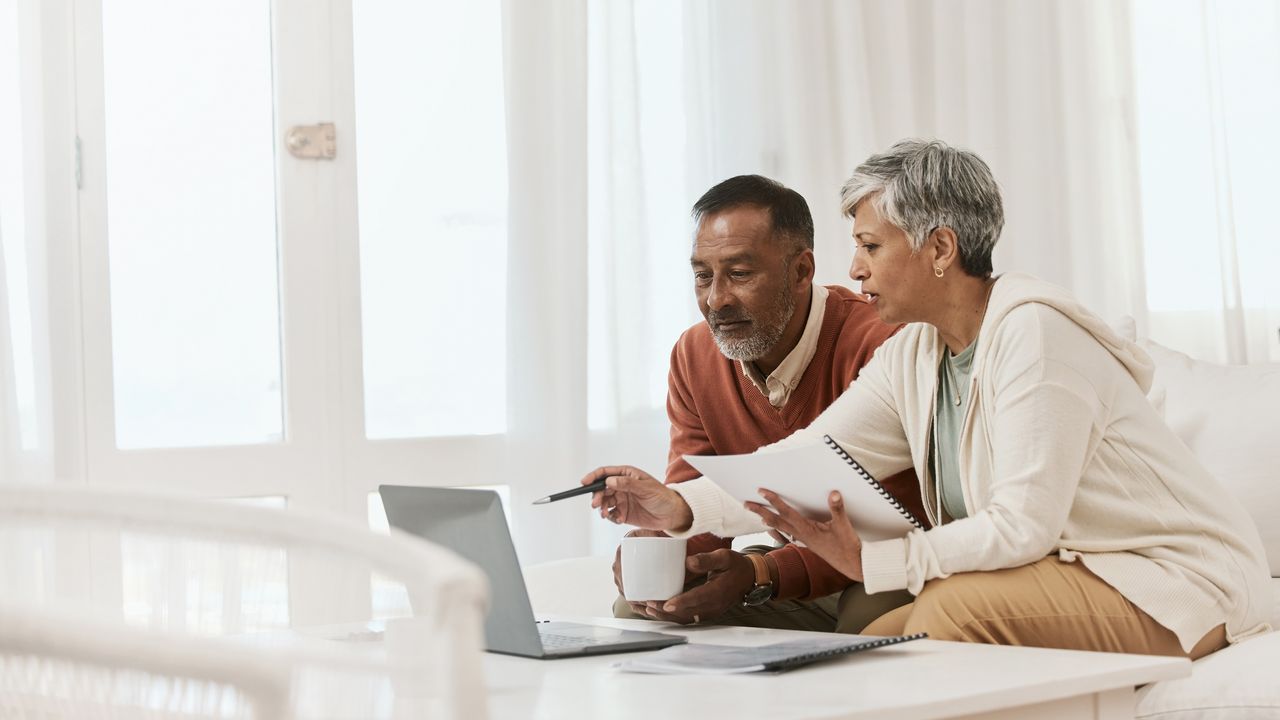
[[920, 185]]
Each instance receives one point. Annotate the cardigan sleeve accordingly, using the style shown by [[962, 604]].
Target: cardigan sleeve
[[865, 411], [1042, 412]]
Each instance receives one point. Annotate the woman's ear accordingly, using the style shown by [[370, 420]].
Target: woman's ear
[[946, 248]]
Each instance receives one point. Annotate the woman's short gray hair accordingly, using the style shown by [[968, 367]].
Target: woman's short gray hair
[[920, 185]]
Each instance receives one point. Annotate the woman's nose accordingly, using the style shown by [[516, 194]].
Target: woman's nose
[[858, 270]]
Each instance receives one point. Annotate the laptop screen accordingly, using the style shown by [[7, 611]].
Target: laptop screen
[[471, 523]]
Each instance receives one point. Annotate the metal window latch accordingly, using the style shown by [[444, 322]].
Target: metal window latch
[[312, 142]]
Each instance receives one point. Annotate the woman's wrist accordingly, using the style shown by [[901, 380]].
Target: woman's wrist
[[683, 517]]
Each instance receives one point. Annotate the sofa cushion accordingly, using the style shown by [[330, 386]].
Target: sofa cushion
[[1236, 683], [574, 587], [1228, 416], [1275, 606]]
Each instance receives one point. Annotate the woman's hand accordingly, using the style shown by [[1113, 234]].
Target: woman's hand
[[634, 497], [834, 540]]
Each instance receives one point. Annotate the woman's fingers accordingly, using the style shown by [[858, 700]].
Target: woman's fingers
[[770, 518], [835, 502], [780, 506]]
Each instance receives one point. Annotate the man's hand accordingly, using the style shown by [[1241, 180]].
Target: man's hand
[[639, 607], [634, 497], [834, 540], [730, 576]]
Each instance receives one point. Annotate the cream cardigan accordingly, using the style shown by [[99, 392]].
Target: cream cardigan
[[1060, 451]]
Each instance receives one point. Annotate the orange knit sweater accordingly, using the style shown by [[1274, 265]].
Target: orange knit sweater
[[716, 410]]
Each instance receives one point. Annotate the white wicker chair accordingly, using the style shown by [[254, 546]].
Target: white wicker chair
[[290, 631]]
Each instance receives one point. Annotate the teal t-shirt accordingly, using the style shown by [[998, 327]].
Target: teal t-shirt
[[953, 381]]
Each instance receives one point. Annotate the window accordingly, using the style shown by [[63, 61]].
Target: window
[[191, 223]]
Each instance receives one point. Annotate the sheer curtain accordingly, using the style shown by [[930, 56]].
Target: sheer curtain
[[25, 398], [805, 91], [1208, 80], [1134, 141], [598, 251]]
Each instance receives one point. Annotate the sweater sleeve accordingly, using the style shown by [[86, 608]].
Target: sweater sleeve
[[1043, 414], [688, 435]]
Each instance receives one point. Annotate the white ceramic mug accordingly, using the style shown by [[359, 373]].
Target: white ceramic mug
[[652, 568]]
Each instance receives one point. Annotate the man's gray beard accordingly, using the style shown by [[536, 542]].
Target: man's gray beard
[[759, 343]]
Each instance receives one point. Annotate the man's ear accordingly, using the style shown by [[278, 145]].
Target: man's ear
[[802, 270], [946, 247]]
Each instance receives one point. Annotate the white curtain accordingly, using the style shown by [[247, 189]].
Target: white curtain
[[1208, 95], [545, 63], [598, 250], [805, 91], [26, 452], [1134, 141]]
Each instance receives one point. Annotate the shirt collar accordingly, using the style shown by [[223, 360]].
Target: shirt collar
[[778, 386]]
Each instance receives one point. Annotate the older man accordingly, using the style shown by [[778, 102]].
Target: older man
[[775, 351]]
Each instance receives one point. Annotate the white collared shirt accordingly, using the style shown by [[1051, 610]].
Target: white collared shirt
[[784, 378]]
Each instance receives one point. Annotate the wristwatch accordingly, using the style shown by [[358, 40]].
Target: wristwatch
[[762, 592]]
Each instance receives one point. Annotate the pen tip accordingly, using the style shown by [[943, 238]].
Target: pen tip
[[542, 501]]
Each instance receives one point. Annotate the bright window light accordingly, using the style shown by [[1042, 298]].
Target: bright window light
[[13, 230], [192, 223]]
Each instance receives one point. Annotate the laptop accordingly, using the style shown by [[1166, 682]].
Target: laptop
[[471, 523]]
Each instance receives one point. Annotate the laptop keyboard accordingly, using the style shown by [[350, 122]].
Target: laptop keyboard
[[556, 641]]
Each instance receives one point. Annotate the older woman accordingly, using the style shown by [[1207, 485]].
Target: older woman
[[1065, 512]]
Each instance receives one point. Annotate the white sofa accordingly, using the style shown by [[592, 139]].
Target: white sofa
[[1230, 417]]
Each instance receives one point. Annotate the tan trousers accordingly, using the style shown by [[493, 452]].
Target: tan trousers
[[1048, 603], [844, 612]]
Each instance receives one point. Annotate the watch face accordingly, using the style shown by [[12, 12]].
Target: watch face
[[758, 595]]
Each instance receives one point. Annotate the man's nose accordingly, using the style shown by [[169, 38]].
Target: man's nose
[[718, 295]]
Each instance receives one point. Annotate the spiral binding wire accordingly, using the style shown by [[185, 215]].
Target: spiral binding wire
[[873, 482], [798, 660]]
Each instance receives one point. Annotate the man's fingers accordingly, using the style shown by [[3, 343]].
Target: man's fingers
[[703, 563], [655, 609]]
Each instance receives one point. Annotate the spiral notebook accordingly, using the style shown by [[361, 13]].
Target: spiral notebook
[[804, 476], [700, 658]]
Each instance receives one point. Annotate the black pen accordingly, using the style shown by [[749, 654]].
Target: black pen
[[596, 486]]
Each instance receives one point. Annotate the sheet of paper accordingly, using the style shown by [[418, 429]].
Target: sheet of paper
[[803, 477], [704, 659]]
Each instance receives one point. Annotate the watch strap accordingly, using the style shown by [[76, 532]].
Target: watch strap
[[762, 569]]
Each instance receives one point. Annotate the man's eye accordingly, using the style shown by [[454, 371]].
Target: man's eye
[[702, 278], [740, 274]]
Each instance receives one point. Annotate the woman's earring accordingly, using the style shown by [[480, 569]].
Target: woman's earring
[[937, 271]]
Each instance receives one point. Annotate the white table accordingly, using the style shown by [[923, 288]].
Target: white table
[[917, 680]]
